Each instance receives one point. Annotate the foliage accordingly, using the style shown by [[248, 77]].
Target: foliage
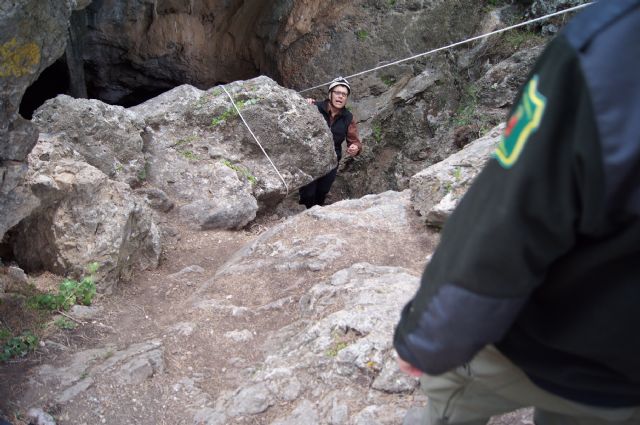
[[17, 346], [241, 170], [143, 173], [189, 154], [64, 323], [231, 112], [336, 348], [457, 173], [362, 34], [388, 80], [468, 105], [519, 38], [185, 140], [19, 343], [70, 292], [377, 133]]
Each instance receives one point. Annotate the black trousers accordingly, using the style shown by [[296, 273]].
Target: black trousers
[[315, 192]]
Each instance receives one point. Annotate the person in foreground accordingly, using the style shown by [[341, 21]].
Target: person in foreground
[[342, 126], [531, 297]]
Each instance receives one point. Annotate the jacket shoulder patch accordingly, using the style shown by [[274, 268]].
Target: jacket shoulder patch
[[524, 121]]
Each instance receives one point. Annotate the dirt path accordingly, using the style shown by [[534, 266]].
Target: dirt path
[[155, 306]]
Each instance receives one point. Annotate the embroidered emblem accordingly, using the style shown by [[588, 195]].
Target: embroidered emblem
[[524, 122]]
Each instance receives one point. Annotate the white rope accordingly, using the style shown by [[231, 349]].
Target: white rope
[[571, 9], [256, 139]]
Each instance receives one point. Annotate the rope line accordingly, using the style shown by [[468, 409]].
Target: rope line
[[256, 139], [550, 15]]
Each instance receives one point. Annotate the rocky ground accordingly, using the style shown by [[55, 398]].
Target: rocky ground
[[287, 321]]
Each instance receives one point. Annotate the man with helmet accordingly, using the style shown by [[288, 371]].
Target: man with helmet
[[342, 126]]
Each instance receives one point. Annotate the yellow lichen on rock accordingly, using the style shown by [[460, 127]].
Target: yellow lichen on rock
[[17, 60]]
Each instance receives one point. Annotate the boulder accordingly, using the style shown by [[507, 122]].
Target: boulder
[[107, 137], [436, 191], [83, 217], [200, 153]]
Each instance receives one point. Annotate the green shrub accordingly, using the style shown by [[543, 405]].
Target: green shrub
[[70, 292], [362, 35], [64, 323], [189, 155], [231, 112], [377, 133], [18, 346], [388, 80]]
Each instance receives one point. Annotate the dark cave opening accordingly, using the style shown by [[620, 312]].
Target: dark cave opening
[[53, 81]]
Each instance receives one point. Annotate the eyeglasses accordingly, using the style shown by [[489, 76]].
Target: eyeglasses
[[340, 93]]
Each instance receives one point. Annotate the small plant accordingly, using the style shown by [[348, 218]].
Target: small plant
[[377, 133], [18, 346], [205, 98], [64, 323], [457, 173], [335, 349], [391, 3], [143, 173], [185, 140], [4, 334], [388, 80], [70, 292], [231, 112], [517, 38], [468, 105], [362, 35], [242, 171], [448, 186], [190, 155]]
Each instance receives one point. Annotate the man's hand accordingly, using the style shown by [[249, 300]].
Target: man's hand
[[311, 101], [409, 369], [353, 150]]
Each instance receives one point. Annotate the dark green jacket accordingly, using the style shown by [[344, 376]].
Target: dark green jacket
[[542, 256]]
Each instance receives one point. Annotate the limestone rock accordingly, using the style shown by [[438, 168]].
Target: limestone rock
[[436, 191], [203, 157], [107, 137], [32, 36], [84, 217]]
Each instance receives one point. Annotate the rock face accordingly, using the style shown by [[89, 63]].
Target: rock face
[[32, 37], [83, 217], [167, 43], [436, 191], [202, 155]]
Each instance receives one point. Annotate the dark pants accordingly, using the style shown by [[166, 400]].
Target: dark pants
[[315, 192]]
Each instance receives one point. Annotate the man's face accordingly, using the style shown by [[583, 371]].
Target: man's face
[[339, 96]]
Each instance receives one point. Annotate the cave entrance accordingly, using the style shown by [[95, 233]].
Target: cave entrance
[[53, 81]]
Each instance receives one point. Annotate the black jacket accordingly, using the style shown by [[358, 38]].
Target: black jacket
[[339, 127], [542, 256]]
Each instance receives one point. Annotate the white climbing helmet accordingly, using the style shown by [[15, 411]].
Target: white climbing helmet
[[340, 81]]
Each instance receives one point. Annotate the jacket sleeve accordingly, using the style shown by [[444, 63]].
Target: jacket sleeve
[[352, 136], [521, 214]]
